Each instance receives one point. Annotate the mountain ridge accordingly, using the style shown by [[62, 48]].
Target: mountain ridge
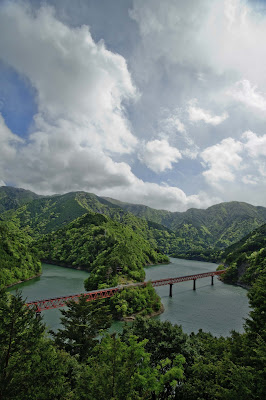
[[196, 233]]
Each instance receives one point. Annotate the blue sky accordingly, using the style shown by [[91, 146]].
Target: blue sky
[[157, 103]]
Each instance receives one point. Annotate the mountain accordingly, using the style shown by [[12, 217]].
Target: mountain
[[246, 259], [13, 198], [18, 260], [194, 234], [201, 231], [111, 251]]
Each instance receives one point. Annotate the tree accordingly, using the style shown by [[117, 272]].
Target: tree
[[82, 322], [119, 371], [28, 360]]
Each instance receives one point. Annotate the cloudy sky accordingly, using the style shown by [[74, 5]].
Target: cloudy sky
[[153, 102]]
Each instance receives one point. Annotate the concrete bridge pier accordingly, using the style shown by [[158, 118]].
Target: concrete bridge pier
[[212, 279], [38, 314], [194, 284], [170, 290]]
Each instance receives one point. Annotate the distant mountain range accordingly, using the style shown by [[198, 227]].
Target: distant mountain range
[[195, 234]]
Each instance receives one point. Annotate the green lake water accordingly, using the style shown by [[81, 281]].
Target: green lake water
[[217, 309]]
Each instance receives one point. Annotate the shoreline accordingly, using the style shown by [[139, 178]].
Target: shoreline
[[25, 280], [132, 317]]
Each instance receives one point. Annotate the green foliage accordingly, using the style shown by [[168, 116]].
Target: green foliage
[[110, 250], [18, 259], [13, 198], [81, 323], [246, 260], [141, 300], [30, 366], [256, 324], [194, 234], [117, 371]]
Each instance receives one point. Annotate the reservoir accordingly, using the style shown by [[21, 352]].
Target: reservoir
[[217, 309]]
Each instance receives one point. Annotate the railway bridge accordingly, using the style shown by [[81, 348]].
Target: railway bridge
[[47, 304]]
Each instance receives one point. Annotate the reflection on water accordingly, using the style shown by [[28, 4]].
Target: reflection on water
[[219, 308]]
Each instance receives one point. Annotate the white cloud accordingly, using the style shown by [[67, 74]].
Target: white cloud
[[198, 114], [223, 35], [243, 92], [255, 145], [80, 91], [173, 123], [8, 144], [78, 82], [158, 155], [231, 165], [222, 161], [80, 88], [161, 196]]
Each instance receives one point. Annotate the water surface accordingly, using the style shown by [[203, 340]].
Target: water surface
[[217, 309]]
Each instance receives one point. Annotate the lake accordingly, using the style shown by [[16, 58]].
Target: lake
[[217, 309]]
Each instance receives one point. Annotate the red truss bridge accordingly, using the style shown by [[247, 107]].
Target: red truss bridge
[[48, 304]]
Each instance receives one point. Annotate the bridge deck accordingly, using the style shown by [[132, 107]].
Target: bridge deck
[[47, 304]]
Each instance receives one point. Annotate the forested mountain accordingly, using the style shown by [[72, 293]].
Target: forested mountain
[[13, 198], [111, 251], [18, 260], [194, 234], [246, 259]]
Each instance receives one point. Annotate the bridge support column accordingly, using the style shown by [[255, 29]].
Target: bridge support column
[[170, 290], [194, 284], [212, 279]]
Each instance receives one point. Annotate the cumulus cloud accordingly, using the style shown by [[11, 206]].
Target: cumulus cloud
[[80, 88], [77, 81], [198, 114], [222, 160], [255, 145], [158, 155], [236, 161], [162, 196]]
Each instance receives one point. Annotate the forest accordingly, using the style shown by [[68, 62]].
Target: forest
[[149, 359]]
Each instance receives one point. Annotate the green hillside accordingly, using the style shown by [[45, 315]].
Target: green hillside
[[18, 261], [13, 198], [111, 251], [246, 259], [194, 234], [201, 234]]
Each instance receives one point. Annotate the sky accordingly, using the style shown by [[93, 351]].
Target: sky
[[153, 102]]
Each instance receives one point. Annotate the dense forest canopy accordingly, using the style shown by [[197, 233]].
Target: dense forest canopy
[[19, 260]]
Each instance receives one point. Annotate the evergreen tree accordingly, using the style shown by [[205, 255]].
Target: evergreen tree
[[30, 366], [82, 322]]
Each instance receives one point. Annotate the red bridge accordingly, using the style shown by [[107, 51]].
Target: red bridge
[[41, 305]]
